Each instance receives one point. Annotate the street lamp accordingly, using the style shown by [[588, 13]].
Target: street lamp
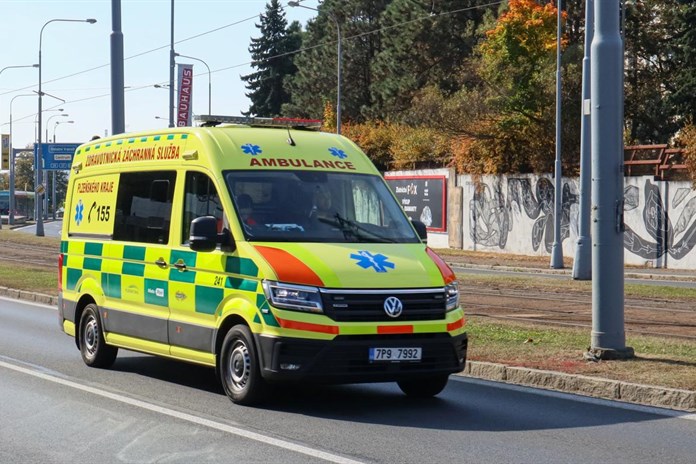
[[20, 66], [56, 125], [210, 85], [39, 174], [295, 3], [11, 219], [10, 157], [48, 121]]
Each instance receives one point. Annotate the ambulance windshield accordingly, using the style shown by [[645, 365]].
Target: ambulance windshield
[[317, 206]]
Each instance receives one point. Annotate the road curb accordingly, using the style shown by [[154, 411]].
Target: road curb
[[672, 398], [628, 273], [684, 400], [29, 296]]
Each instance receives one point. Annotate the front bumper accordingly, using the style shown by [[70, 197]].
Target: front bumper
[[345, 358]]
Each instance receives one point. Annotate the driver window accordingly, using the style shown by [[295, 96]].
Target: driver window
[[201, 199], [368, 208]]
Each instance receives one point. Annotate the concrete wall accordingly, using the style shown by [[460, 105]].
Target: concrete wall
[[515, 214]]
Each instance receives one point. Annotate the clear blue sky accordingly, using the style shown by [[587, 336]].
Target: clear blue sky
[[83, 49]]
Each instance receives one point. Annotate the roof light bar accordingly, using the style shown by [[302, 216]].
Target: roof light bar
[[214, 120]]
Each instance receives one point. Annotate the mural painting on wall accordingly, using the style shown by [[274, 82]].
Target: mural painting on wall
[[658, 224], [491, 211]]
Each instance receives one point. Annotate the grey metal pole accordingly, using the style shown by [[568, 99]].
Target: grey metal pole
[[582, 265], [608, 332], [53, 194], [557, 249], [11, 219], [38, 157], [338, 77], [172, 66], [118, 118], [10, 213]]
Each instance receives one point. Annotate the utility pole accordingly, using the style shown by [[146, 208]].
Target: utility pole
[[172, 65], [608, 332], [557, 248], [118, 118], [582, 265]]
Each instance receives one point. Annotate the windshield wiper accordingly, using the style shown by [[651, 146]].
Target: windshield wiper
[[353, 229]]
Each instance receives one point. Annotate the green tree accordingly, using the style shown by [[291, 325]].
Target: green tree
[[316, 79], [273, 58], [24, 171], [650, 71], [684, 95], [424, 43]]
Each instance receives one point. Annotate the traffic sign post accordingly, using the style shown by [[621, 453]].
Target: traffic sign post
[[57, 156]]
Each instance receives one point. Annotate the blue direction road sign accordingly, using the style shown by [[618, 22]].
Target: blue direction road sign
[[57, 156]]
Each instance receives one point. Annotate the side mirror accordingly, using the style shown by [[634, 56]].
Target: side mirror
[[420, 229], [203, 236]]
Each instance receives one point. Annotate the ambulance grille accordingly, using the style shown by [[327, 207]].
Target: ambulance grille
[[368, 306]]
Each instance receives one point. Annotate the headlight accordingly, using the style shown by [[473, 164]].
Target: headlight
[[452, 295], [293, 297]]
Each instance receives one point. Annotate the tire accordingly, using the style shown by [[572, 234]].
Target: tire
[[239, 369], [423, 387], [93, 348]]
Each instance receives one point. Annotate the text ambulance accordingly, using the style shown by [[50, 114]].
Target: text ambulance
[[271, 254]]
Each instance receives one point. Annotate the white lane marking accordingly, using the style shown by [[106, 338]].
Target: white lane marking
[[29, 302], [580, 398], [187, 417]]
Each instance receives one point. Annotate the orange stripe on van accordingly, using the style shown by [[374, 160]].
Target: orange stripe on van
[[288, 268], [307, 326], [458, 324], [445, 270], [394, 329]]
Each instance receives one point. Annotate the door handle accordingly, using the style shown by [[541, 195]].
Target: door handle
[[180, 265], [161, 262]]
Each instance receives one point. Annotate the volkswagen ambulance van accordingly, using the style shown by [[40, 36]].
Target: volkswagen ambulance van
[[259, 247]]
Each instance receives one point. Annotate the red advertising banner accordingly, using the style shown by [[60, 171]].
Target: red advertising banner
[[185, 86]]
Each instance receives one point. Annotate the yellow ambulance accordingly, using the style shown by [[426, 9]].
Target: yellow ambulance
[[259, 247]]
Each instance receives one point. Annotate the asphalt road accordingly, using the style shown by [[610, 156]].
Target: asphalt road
[[147, 409], [51, 228]]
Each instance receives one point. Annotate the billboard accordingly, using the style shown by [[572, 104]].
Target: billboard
[[185, 86], [423, 198]]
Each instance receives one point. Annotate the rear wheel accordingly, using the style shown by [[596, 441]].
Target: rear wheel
[[239, 369], [424, 387], [93, 348]]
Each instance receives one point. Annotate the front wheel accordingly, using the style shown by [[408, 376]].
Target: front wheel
[[424, 387], [238, 367], [93, 348]]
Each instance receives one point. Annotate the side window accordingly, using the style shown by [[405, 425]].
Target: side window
[[144, 207], [368, 208], [201, 199]]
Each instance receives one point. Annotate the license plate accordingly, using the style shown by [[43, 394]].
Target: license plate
[[395, 354]]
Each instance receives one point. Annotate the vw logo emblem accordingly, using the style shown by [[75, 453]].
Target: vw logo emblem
[[393, 306]]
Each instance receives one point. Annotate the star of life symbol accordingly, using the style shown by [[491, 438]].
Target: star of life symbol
[[79, 209], [378, 261], [251, 149], [338, 153]]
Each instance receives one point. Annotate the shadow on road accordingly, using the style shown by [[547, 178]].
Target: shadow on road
[[463, 406]]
